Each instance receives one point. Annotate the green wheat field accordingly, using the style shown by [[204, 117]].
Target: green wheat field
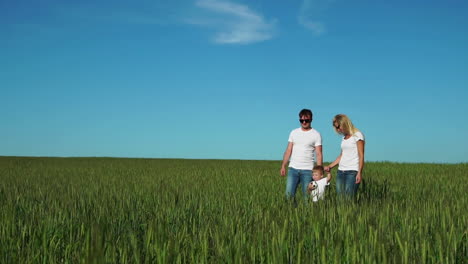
[[117, 210]]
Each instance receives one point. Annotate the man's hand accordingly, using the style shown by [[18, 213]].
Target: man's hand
[[283, 171]]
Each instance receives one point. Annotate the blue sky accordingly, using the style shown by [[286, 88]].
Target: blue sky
[[216, 79]]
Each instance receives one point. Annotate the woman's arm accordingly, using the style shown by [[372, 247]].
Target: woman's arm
[[360, 148], [334, 163]]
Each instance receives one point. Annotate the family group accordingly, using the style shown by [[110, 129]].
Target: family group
[[304, 155]]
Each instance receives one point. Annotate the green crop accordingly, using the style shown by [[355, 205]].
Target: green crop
[[109, 210]]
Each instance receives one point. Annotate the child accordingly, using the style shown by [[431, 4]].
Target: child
[[316, 187]]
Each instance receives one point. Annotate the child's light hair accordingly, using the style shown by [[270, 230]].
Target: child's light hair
[[318, 168]]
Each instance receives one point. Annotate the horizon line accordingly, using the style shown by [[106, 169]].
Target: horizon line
[[156, 158]]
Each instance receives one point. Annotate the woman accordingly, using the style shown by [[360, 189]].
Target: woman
[[351, 159]]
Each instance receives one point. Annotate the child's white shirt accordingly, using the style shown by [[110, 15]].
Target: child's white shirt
[[319, 191]]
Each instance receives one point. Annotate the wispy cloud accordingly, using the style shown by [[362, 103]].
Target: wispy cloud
[[309, 15], [235, 23], [317, 27]]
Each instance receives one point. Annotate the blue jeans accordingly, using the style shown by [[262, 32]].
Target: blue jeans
[[346, 183], [295, 177]]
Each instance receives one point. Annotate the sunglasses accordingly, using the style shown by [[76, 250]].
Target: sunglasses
[[305, 120]]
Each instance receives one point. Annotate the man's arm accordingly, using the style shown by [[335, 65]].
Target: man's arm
[[318, 155], [286, 156]]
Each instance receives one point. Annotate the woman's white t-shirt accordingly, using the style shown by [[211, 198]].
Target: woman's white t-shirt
[[349, 152]]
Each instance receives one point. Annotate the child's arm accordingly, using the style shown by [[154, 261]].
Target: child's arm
[[329, 176], [309, 189]]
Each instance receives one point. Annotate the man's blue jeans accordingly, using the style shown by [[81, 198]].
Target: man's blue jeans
[[296, 177], [346, 183]]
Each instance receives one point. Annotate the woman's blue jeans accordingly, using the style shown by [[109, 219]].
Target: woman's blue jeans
[[346, 183], [296, 177]]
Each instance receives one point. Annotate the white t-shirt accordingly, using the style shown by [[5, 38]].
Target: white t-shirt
[[304, 143], [349, 157], [319, 191]]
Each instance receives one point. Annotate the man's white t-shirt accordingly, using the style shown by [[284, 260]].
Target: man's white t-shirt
[[349, 156], [319, 191], [304, 144]]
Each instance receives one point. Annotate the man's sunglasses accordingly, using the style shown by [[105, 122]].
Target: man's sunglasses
[[305, 120]]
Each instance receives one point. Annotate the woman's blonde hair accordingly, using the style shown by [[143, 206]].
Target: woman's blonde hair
[[342, 121]]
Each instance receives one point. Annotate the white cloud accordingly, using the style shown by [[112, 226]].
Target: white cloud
[[236, 23], [310, 12], [318, 28]]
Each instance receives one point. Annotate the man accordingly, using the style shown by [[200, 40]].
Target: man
[[303, 143]]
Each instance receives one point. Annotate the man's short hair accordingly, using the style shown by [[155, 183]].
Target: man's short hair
[[305, 112]]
